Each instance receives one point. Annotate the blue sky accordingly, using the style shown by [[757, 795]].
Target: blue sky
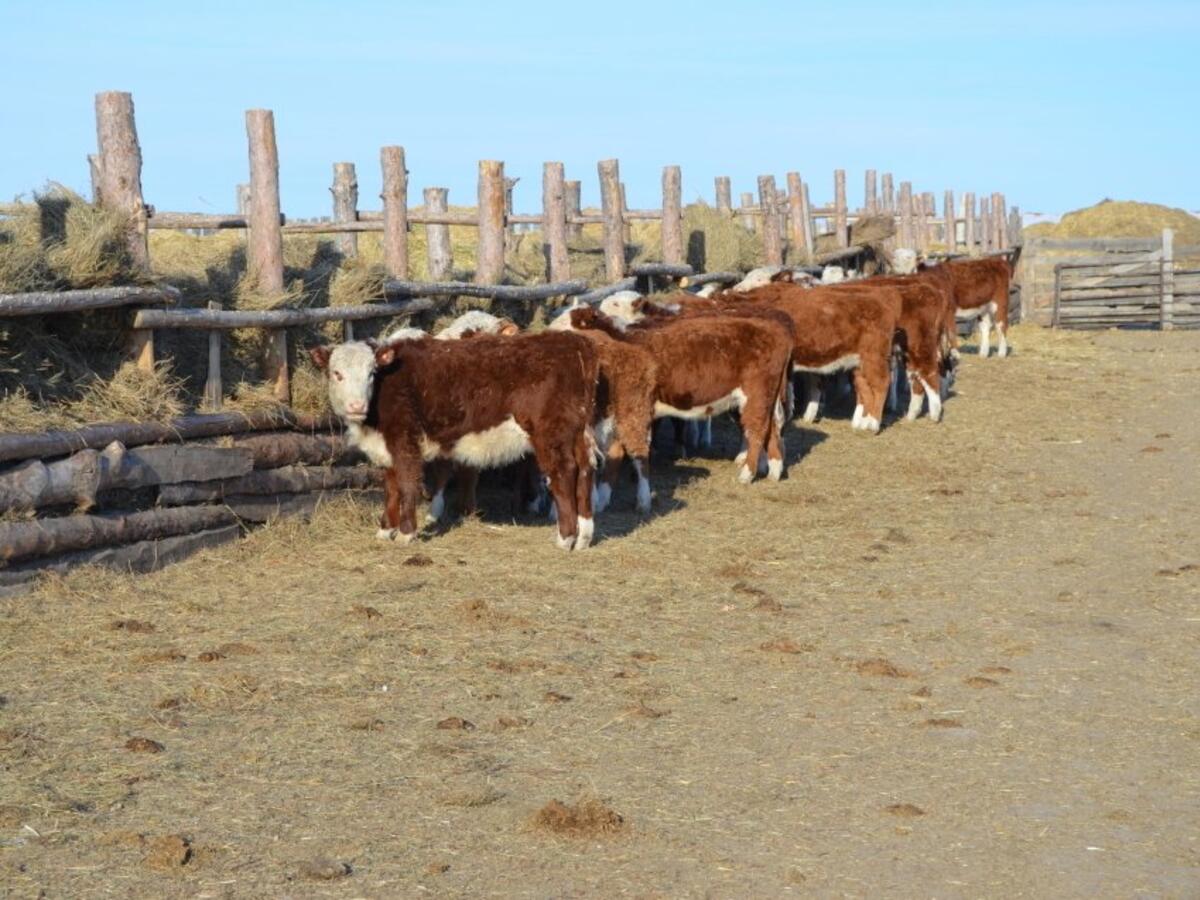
[[1055, 104]]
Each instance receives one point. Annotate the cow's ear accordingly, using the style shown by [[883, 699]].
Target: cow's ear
[[508, 328], [785, 276], [639, 304], [319, 356], [385, 355]]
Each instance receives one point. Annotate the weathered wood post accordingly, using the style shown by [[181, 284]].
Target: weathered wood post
[[574, 209], [345, 205], [395, 211], [489, 268], [242, 199], [626, 224], [214, 391], [841, 222], [889, 195], [1167, 300], [985, 224], [672, 215], [265, 245], [94, 172], [926, 215], [905, 230], [870, 200], [612, 211], [119, 186], [950, 226], [747, 218], [806, 221], [438, 250], [554, 222], [772, 240], [724, 195], [969, 235], [1000, 221], [798, 231], [1014, 227], [510, 228]]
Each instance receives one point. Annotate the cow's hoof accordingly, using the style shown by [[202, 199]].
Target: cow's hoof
[[775, 469], [386, 534], [585, 531], [745, 475], [564, 543]]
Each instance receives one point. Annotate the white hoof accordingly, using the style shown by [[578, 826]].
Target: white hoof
[[586, 529], [563, 543], [810, 412], [386, 534], [871, 424], [745, 476], [775, 469], [740, 458], [856, 419]]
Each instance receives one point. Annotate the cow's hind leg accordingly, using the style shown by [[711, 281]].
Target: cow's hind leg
[[585, 471], [812, 396], [559, 465], [985, 332]]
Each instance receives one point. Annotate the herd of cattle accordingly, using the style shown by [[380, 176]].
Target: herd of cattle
[[583, 394]]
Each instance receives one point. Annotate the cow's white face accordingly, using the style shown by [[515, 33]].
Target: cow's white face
[[351, 370], [833, 275], [625, 305]]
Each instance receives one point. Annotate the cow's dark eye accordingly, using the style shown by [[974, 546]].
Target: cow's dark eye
[[337, 375]]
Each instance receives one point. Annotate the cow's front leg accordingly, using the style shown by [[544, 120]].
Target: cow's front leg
[[402, 491]]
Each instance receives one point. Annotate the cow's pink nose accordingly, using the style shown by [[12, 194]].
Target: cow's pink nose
[[356, 406]]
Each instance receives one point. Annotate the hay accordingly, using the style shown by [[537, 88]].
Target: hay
[[131, 395], [1122, 218]]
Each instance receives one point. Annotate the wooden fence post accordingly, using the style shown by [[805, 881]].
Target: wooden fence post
[[906, 215], [612, 210], [969, 217], [889, 195], [926, 212], [395, 211], [985, 224], [554, 222], [724, 195], [1014, 227], [439, 252], [772, 241], [949, 226], [265, 245], [626, 224], [870, 200], [747, 219], [121, 168], [1000, 221], [799, 236], [94, 171], [574, 209], [489, 268], [841, 224], [242, 199], [1167, 300], [214, 391], [672, 215], [806, 221], [345, 205]]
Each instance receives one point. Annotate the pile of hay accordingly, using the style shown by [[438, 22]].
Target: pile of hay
[[1121, 218]]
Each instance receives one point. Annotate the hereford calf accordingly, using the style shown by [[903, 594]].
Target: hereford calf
[[851, 328], [485, 403], [707, 365], [980, 288], [624, 405]]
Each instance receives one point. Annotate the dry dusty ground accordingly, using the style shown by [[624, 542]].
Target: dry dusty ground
[[955, 661]]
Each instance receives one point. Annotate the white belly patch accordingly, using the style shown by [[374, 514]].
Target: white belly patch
[[735, 399], [841, 364], [371, 443], [488, 449]]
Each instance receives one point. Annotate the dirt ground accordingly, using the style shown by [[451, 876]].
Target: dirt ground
[[948, 661]]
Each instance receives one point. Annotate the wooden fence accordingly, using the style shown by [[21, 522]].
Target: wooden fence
[[1111, 282]]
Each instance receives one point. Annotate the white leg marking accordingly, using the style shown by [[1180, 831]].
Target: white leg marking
[[563, 543], [856, 421], [985, 334], [871, 424], [915, 403], [935, 402], [585, 530], [741, 457], [1002, 350], [812, 398], [775, 469], [386, 534], [603, 497], [643, 489], [745, 476]]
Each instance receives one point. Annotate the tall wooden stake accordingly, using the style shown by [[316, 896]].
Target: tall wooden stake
[[612, 212], [554, 222], [345, 205], [395, 211], [490, 265], [672, 215], [265, 246]]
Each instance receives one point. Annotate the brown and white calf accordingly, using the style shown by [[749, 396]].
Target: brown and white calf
[[624, 404], [852, 328], [927, 323], [980, 288], [484, 403], [707, 365]]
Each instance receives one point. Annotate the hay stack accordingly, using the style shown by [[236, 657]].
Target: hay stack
[[1122, 218]]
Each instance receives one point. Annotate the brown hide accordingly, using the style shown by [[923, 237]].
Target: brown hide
[[444, 390]]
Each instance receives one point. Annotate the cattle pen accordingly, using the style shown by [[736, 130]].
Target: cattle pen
[[954, 659]]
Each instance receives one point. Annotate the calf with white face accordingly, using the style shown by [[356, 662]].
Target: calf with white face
[[351, 368]]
